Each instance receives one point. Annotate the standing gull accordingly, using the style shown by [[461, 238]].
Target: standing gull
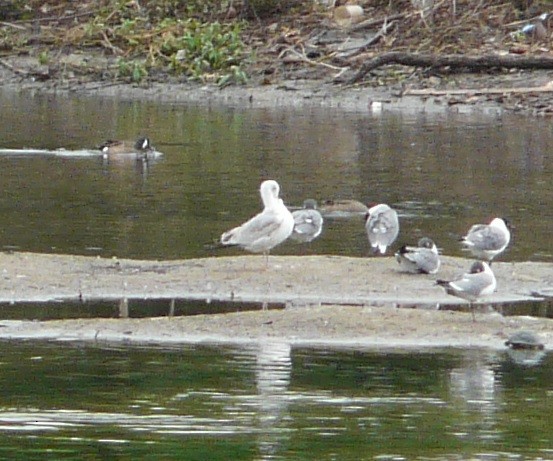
[[478, 282], [423, 258], [485, 241], [265, 230], [382, 227], [308, 222]]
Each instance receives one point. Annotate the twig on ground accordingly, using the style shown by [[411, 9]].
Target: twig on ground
[[12, 25], [304, 58]]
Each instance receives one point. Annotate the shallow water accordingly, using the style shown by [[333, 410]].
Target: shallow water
[[443, 173], [63, 401]]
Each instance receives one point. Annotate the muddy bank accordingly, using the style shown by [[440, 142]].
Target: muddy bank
[[328, 299], [464, 92], [296, 94]]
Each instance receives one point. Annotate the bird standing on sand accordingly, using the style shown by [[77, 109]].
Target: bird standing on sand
[[382, 226], [423, 258], [265, 230], [475, 284], [486, 241]]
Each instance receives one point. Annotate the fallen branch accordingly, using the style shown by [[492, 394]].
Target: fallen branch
[[384, 30], [457, 61], [11, 24], [367, 24], [304, 58]]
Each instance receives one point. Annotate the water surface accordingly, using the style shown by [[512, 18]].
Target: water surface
[[270, 402], [443, 174]]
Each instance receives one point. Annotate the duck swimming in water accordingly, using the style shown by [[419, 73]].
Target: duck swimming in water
[[140, 148]]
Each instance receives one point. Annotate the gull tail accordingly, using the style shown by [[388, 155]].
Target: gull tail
[[217, 245]]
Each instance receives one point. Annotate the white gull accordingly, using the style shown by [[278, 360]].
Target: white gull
[[382, 227], [267, 229]]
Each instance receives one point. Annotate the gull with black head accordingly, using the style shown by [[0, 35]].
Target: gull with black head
[[421, 259], [477, 283]]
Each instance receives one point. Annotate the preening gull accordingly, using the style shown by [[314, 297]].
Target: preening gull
[[267, 229], [486, 241], [423, 258], [382, 227], [308, 222]]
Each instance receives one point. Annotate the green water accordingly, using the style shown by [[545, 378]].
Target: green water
[[62, 401], [442, 173]]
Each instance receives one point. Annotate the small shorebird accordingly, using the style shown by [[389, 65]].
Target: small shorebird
[[486, 241], [265, 230], [382, 226], [308, 222], [140, 148], [423, 258], [478, 282]]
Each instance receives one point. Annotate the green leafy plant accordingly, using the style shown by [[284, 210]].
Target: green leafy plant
[[135, 71], [43, 58], [206, 51]]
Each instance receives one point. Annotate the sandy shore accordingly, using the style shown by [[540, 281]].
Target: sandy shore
[[329, 300], [336, 326], [291, 280]]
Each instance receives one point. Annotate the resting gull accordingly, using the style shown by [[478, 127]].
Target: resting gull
[[267, 229], [423, 258], [485, 241], [382, 227], [478, 282], [308, 222]]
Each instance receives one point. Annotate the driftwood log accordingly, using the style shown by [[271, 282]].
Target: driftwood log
[[458, 61]]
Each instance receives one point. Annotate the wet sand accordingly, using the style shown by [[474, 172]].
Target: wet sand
[[334, 326], [329, 300]]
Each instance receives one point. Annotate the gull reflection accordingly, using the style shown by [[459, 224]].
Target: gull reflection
[[272, 370], [475, 387]]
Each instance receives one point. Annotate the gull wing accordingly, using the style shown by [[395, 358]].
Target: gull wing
[[486, 237], [261, 226]]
